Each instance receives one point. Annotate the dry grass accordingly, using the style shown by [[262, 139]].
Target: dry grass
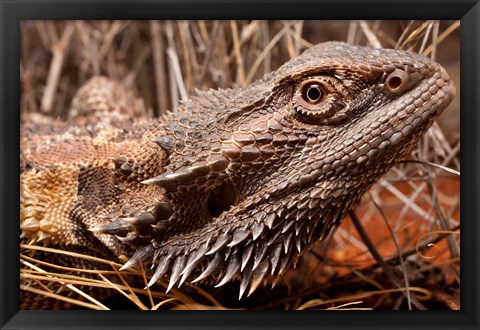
[[398, 250]]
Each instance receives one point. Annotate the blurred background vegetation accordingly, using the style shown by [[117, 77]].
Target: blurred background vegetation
[[403, 250]]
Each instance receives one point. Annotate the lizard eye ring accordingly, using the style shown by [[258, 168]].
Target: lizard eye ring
[[314, 100]]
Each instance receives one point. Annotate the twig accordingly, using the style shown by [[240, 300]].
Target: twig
[[177, 71], [211, 45], [425, 36], [318, 302], [414, 35], [423, 162], [442, 36], [345, 280], [70, 286], [171, 74], [399, 251], [159, 68], [238, 55], [60, 297], [436, 27], [59, 51], [442, 219], [352, 31], [404, 33], [372, 38], [414, 207], [378, 258], [267, 49]]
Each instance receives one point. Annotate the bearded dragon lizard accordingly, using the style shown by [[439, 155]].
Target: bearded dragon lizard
[[237, 183]]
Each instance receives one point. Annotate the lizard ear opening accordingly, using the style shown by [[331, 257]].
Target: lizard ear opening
[[222, 198]]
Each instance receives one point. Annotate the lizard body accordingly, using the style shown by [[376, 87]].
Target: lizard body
[[237, 183]]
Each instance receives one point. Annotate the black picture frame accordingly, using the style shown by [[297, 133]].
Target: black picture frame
[[13, 11]]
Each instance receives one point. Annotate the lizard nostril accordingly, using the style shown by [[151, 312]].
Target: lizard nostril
[[394, 82], [221, 199], [398, 81]]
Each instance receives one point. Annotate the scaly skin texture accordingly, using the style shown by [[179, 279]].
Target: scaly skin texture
[[239, 182]]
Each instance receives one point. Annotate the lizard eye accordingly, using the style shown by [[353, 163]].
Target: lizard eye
[[313, 93], [316, 100]]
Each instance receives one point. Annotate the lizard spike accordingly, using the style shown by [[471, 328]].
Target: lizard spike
[[287, 242], [171, 180], [295, 261], [208, 239], [212, 266], [275, 281], [164, 180], [238, 236], [141, 221], [260, 251], [298, 227], [162, 268], [247, 253], [287, 227], [291, 214], [232, 268], [274, 239], [298, 244], [219, 243], [140, 255], [218, 162], [275, 257], [163, 210], [302, 214], [166, 143], [291, 204], [119, 161], [283, 264], [258, 275], [246, 276], [257, 229], [126, 169], [304, 204], [311, 234], [199, 168], [43, 236], [176, 270], [269, 220], [32, 241], [118, 227], [132, 239], [158, 229], [315, 203], [281, 211], [193, 260], [174, 252], [228, 252], [30, 225]]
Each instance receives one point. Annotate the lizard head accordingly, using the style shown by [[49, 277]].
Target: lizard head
[[256, 175]]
